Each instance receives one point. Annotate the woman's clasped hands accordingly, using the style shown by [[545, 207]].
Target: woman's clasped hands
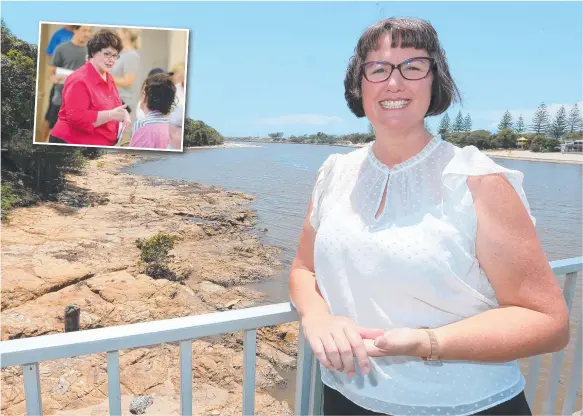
[[336, 341], [121, 114]]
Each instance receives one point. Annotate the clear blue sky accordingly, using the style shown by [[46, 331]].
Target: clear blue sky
[[256, 68]]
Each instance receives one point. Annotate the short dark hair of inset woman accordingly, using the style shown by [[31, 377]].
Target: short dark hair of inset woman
[[405, 33], [102, 40], [159, 92]]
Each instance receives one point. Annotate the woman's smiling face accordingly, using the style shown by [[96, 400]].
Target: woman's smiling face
[[396, 103]]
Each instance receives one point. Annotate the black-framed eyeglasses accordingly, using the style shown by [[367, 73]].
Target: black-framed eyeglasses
[[109, 55], [412, 69]]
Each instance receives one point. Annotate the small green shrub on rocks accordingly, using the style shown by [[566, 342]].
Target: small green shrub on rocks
[[155, 255]]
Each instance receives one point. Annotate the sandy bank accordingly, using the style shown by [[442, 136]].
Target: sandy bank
[[555, 157], [225, 146]]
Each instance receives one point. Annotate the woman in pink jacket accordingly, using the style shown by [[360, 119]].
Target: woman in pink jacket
[[157, 101]]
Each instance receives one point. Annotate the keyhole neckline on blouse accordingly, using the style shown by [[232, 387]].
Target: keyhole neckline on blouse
[[413, 160]]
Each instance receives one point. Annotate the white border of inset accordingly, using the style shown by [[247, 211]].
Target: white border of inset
[[44, 22]]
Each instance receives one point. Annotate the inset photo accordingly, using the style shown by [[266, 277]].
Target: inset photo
[[100, 85]]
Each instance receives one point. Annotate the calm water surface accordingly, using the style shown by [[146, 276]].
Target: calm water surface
[[281, 177]]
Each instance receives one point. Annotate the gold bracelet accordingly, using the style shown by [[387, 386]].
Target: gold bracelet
[[434, 345]]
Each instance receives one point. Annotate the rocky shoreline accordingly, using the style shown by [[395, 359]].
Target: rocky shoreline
[[82, 250]]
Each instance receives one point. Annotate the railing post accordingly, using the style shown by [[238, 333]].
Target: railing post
[[557, 360], [72, 318], [186, 378], [575, 374], [303, 376], [249, 359], [316, 389], [532, 378], [113, 383], [34, 405]]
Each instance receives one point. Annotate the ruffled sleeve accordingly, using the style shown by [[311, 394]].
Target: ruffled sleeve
[[321, 187], [469, 161]]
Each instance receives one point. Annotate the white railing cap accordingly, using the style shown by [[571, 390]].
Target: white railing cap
[[574, 264], [114, 338]]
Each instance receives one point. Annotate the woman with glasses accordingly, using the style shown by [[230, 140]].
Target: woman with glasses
[[92, 112], [419, 277]]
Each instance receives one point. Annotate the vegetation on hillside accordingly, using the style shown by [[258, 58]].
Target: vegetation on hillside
[[197, 133], [30, 172]]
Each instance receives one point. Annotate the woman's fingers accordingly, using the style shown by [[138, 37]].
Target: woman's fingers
[[116, 114], [369, 333], [332, 352], [120, 110], [345, 351], [337, 342], [372, 350], [358, 349], [319, 352]]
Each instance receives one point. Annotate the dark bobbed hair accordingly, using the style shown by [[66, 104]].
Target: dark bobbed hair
[[156, 71], [103, 39], [160, 93], [404, 33]]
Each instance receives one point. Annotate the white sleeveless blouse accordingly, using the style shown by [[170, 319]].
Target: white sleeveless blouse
[[413, 266]]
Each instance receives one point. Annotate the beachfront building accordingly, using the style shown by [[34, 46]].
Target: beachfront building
[[521, 143], [572, 147]]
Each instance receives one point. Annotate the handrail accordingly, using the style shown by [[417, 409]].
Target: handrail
[[29, 352], [91, 341], [564, 266]]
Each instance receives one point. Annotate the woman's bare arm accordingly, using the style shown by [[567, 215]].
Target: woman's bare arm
[[302, 280], [335, 340], [532, 318], [126, 81]]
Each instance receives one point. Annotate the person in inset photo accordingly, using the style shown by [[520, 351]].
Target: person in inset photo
[[178, 73], [157, 100], [127, 67], [178, 76], [62, 35], [92, 112], [140, 115], [67, 57], [176, 132]]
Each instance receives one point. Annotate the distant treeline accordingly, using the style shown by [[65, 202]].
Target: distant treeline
[[505, 139], [482, 139], [562, 126], [544, 135], [318, 138]]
